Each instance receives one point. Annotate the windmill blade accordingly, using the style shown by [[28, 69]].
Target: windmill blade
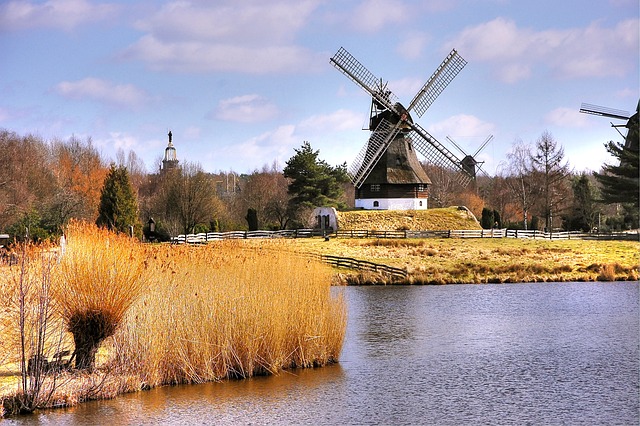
[[604, 111], [437, 154], [372, 151], [486, 141], [456, 145], [440, 79], [360, 75]]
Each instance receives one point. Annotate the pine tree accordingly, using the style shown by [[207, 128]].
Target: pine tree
[[118, 206], [620, 184], [314, 182]]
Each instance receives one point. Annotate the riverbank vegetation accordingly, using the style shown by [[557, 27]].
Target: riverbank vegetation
[[504, 260], [152, 315]]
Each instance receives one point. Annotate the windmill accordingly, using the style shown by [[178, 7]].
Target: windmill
[[631, 139], [386, 172], [469, 162]]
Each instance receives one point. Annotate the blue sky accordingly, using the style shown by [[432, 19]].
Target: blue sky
[[242, 83]]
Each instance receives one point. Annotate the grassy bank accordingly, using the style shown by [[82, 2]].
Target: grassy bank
[[165, 315], [414, 220], [449, 261]]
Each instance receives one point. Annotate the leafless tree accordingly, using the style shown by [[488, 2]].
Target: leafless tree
[[518, 176], [548, 162]]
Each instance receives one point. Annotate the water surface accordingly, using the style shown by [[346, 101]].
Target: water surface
[[544, 353]]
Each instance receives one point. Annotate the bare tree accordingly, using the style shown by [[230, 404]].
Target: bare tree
[[548, 161], [444, 188], [518, 175], [266, 192], [186, 198]]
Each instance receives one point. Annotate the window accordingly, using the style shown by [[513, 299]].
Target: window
[[421, 187], [375, 187], [376, 204]]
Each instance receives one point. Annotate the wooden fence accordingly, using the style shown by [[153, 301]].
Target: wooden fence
[[204, 238], [488, 233], [364, 265]]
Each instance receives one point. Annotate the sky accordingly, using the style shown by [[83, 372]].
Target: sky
[[242, 84]]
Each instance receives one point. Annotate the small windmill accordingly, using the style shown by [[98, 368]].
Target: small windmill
[[386, 173], [469, 162]]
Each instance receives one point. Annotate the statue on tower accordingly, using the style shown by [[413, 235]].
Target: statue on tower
[[170, 160]]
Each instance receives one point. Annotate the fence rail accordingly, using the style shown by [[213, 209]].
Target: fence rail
[[351, 263], [204, 238]]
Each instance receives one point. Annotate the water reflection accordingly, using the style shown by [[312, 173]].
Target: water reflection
[[466, 354]]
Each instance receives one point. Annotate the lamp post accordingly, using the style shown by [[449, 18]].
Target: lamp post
[[152, 229]]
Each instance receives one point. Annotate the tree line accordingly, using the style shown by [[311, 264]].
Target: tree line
[[44, 184]]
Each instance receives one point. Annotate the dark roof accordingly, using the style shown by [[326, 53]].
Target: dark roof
[[398, 165]]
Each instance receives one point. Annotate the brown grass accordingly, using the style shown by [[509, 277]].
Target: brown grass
[[450, 261], [415, 220], [231, 310]]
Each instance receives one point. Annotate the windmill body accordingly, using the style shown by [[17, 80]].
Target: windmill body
[[387, 174]]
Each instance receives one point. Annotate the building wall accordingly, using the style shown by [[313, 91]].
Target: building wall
[[392, 191], [325, 218], [392, 203]]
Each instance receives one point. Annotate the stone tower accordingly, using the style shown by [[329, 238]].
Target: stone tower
[[170, 160]]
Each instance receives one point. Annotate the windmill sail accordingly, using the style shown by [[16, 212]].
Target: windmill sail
[[370, 154], [360, 75], [390, 120], [438, 81], [437, 154]]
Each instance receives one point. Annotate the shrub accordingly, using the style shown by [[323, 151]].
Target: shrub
[[99, 278]]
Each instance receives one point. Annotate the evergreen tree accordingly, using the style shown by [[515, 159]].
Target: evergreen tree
[[584, 212], [486, 221], [252, 219], [620, 183], [118, 206], [314, 182]]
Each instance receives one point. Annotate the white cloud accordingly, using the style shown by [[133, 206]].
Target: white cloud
[[199, 56], [257, 38], [375, 15], [413, 45], [59, 14], [593, 51], [119, 140], [328, 123], [263, 149], [245, 109], [566, 117], [104, 91], [462, 125]]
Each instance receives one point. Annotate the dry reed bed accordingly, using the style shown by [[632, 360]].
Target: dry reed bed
[[173, 314]]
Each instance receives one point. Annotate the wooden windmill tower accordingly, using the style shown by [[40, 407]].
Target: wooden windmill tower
[[386, 173]]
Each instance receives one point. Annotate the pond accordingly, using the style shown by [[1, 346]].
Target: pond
[[540, 353]]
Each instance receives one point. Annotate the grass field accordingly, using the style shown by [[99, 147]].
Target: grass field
[[415, 220], [449, 261]]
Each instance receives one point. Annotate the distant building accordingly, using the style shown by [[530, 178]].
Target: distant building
[[170, 160]]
